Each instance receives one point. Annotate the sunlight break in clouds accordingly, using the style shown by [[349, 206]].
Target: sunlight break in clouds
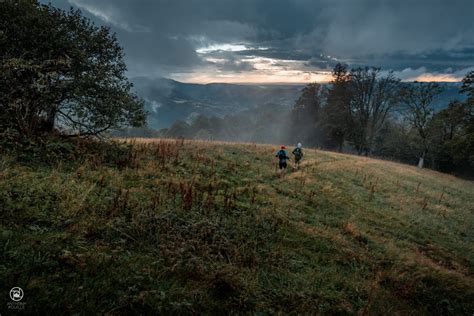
[[423, 75], [270, 70], [222, 47], [291, 76], [435, 78], [283, 76], [263, 70]]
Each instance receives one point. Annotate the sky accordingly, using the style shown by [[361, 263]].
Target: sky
[[287, 41]]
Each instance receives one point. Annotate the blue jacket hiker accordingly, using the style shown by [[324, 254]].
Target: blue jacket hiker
[[282, 157]]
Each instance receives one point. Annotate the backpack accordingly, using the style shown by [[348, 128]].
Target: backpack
[[282, 154], [297, 152]]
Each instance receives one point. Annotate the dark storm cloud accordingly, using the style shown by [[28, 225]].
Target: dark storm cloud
[[162, 36], [321, 62]]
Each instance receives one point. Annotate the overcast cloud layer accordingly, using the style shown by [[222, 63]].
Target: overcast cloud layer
[[287, 40]]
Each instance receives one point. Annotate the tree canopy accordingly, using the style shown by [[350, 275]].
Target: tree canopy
[[60, 71]]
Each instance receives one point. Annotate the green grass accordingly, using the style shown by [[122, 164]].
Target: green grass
[[202, 227]]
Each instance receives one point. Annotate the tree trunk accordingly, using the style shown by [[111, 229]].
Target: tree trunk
[[421, 162], [50, 120]]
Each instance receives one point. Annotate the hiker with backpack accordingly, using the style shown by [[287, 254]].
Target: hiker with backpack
[[282, 157], [298, 153]]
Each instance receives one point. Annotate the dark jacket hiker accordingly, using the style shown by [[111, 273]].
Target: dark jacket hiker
[[298, 153]]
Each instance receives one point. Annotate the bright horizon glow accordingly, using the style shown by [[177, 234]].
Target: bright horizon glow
[[282, 77], [287, 77], [435, 78], [267, 70], [222, 47]]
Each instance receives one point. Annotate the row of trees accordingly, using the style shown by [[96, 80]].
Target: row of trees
[[447, 142], [375, 114], [267, 123]]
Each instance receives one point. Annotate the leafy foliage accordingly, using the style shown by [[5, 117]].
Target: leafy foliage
[[468, 88], [58, 69], [452, 139], [371, 98], [417, 103], [337, 121], [306, 115]]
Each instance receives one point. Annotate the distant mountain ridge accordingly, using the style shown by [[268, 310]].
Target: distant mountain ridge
[[168, 100]]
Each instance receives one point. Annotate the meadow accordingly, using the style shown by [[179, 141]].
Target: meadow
[[186, 227]]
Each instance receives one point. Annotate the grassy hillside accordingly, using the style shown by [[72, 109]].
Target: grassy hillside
[[211, 228]]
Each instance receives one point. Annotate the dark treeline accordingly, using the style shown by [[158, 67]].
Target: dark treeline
[[369, 113], [267, 123], [363, 111]]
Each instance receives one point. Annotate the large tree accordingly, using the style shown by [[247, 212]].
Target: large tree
[[416, 99], [336, 120], [305, 115], [372, 96], [59, 70], [468, 88], [452, 139]]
